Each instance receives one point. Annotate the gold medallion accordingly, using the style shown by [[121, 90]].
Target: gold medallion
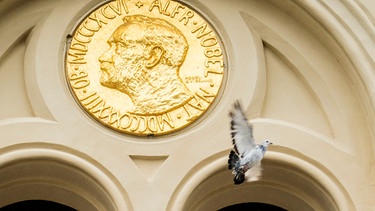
[[146, 67]]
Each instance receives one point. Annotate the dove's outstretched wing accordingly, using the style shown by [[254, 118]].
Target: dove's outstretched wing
[[241, 130]]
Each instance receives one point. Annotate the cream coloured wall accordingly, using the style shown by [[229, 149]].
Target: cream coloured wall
[[304, 70]]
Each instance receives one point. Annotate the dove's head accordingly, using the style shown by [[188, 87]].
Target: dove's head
[[266, 143]]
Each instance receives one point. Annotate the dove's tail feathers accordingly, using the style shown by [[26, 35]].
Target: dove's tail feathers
[[239, 178], [234, 164], [233, 161]]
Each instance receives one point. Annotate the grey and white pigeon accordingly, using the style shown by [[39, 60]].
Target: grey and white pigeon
[[246, 156]]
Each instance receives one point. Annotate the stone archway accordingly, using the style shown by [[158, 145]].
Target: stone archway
[[290, 181], [47, 172]]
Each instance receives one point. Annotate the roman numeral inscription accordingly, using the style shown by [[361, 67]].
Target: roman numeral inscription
[[144, 67]]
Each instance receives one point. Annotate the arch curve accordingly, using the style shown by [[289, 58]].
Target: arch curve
[[40, 171], [290, 180]]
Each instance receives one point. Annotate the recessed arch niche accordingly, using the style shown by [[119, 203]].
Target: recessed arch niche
[[289, 181], [38, 171], [40, 205]]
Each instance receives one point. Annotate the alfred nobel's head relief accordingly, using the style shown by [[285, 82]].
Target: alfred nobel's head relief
[[143, 61]]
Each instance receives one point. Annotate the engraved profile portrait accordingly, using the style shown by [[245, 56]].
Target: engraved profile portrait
[[143, 61]]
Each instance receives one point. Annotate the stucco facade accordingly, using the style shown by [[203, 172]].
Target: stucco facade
[[304, 71]]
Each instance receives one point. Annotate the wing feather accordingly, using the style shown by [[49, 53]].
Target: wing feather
[[241, 131]]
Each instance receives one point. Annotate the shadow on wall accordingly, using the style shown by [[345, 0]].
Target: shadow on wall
[[252, 206], [36, 205]]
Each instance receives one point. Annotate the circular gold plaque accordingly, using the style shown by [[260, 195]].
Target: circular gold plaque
[[145, 67]]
